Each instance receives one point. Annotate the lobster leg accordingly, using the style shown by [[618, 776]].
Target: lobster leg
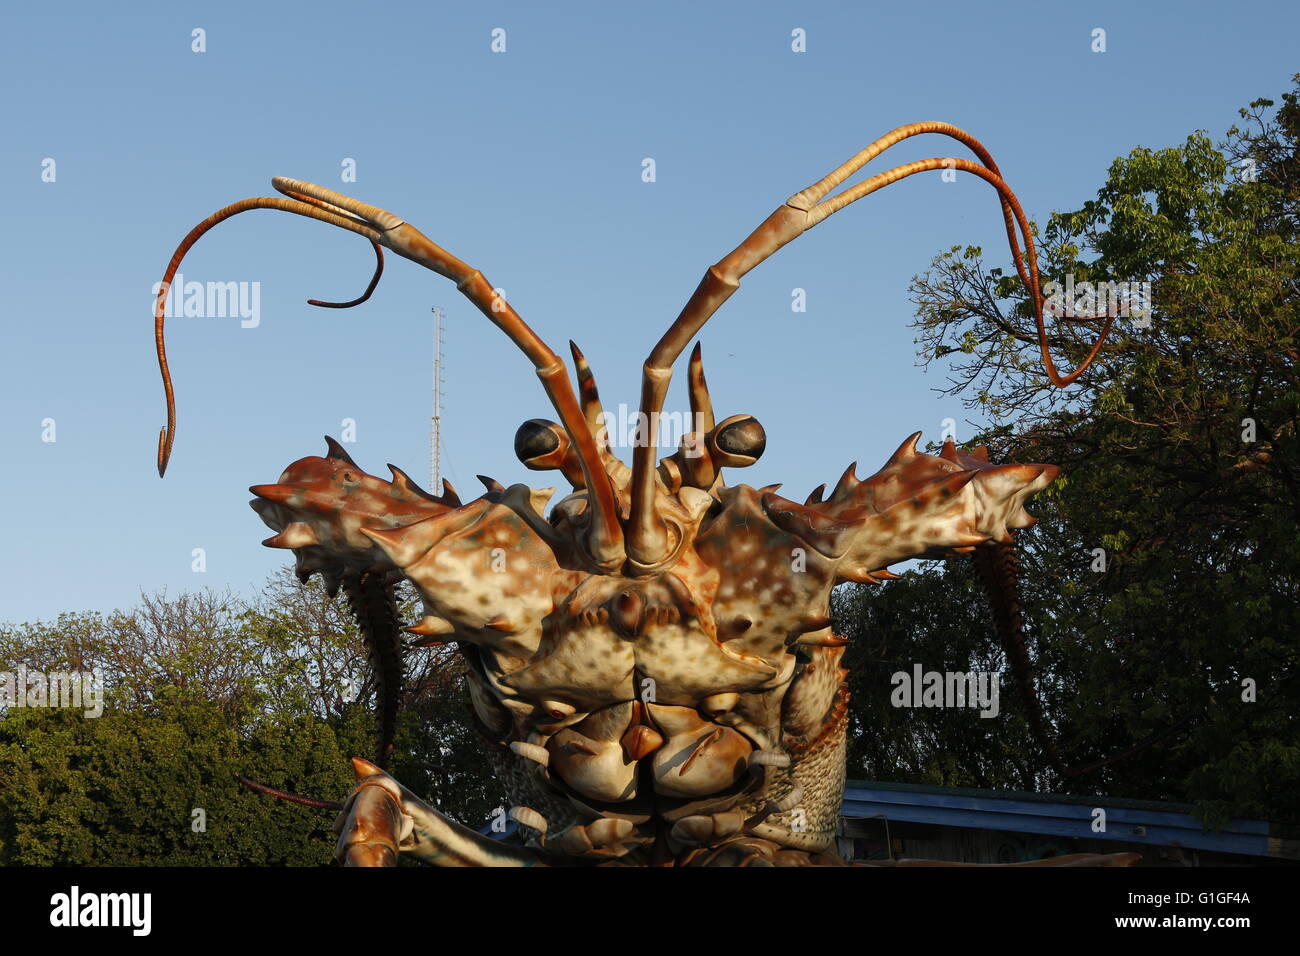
[[997, 567], [371, 597], [382, 819]]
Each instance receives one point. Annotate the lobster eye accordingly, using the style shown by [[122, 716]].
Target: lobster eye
[[535, 438], [740, 439]]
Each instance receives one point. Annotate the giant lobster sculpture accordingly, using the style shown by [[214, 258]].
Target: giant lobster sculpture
[[652, 661]]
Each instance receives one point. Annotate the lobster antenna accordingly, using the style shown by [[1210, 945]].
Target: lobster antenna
[[604, 536], [647, 543]]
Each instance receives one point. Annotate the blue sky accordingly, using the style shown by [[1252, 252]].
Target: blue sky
[[527, 164]]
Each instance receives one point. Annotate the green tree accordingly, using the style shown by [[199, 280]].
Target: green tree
[[935, 616], [158, 787], [201, 687]]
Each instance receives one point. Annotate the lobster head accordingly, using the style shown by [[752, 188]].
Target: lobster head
[[686, 668]]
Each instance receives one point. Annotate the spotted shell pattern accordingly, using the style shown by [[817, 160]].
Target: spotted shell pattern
[[701, 708]]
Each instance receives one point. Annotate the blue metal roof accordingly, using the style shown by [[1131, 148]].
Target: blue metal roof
[[1129, 821]]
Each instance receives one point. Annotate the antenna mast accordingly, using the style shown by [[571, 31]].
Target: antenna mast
[[435, 425]]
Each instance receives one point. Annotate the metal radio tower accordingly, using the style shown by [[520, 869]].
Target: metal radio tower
[[435, 425]]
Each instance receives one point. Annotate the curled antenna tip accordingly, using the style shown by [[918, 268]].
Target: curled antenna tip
[[164, 453], [374, 281]]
